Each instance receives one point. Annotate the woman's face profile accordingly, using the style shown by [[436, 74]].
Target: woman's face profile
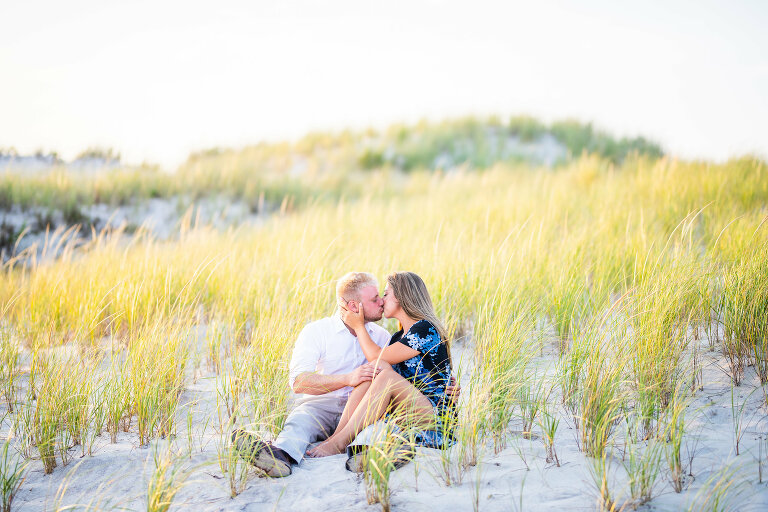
[[391, 304]]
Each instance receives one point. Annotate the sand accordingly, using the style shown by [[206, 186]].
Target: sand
[[516, 478]]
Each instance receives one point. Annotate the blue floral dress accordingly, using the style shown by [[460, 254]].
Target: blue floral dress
[[430, 373]]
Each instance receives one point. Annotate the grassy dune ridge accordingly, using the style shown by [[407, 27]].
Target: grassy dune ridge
[[618, 267], [324, 162]]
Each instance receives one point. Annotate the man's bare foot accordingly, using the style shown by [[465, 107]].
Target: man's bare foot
[[324, 449]]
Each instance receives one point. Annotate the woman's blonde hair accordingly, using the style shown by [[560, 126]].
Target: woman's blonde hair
[[411, 292]]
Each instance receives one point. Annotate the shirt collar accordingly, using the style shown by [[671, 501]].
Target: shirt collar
[[338, 325]]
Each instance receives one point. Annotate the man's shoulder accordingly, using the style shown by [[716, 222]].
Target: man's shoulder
[[323, 324], [379, 334], [378, 329]]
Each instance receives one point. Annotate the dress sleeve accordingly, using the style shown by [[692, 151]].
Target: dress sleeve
[[305, 356], [422, 336]]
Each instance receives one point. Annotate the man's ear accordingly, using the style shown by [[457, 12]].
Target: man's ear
[[352, 306]]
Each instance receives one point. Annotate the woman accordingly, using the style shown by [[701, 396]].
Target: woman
[[416, 370]]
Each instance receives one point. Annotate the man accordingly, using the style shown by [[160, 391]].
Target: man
[[327, 362]]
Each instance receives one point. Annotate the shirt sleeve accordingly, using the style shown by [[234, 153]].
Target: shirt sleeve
[[305, 356], [422, 336]]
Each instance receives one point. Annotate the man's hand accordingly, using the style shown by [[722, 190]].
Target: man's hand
[[453, 390], [362, 374]]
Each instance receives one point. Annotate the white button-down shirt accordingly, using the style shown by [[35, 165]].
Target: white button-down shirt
[[327, 347]]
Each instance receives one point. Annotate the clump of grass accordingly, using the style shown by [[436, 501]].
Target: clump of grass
[[54, 422], [229, 408], [600, 396], [9, 368], [661, 311], [166, 481], [460, 451], [79, 388], [713, 302], [379, 463], [503, 350], [566, 302], [600, 470], [530, 396], [548, 422], [230, 387], [734, 347], [266, 383], [13, 472], [213, 337], [737, 419], [720, 492], [745, 295], [643, 465], [570, 368], [674, 431], [9, 357], [470, 428], [157, 359], [232, 465], [24, 427], [116, 397], [45, 436], [600, 406]]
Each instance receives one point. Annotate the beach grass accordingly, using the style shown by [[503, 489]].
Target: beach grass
[[607, 270]]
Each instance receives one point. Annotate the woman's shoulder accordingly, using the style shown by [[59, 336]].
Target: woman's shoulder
[[396, 336], [424, 329]]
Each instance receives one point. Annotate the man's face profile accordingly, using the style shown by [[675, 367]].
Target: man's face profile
[[373, 305]]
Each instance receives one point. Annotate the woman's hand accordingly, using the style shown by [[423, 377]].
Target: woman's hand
[[453, 390], [354, 320]]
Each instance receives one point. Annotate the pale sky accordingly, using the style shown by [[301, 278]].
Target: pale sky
[[158, 79]]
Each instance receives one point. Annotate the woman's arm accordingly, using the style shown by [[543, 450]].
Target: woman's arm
[[392, 354]]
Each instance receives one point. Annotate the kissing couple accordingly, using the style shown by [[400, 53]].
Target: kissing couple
[[351, 375]]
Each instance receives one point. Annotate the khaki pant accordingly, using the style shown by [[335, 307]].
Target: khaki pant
[[314, 419]]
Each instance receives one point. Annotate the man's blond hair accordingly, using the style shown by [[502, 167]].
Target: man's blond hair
[[349, 286]]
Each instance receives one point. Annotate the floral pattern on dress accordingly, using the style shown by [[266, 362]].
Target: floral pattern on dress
[[430, 373]]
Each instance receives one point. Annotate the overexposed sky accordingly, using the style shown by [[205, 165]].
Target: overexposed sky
[[158, 79]]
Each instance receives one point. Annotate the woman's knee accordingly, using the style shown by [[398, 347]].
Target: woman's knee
[[383, 365], [386, 373]]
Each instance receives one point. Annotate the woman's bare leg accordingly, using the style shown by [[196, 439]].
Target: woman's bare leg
[[388, 387], [355, 397]]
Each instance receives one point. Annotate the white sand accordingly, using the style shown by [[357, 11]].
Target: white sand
[[117, 474]]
